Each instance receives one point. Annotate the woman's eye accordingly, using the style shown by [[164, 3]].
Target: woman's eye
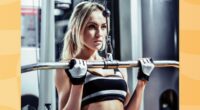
[[104, 27], [91, 26]]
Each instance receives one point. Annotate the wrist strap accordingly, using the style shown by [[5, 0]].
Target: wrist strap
[[142, 76], [75, 81]]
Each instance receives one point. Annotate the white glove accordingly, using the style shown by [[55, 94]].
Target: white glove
[[77, 71], [146, 67]]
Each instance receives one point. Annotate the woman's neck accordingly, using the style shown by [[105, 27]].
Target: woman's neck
[[89, 55]]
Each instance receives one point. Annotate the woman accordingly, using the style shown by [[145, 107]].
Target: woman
[[80, 88]]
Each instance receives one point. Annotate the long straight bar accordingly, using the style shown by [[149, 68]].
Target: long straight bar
[[97, 64]]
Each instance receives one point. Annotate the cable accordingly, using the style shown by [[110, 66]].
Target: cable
[[109, 49]]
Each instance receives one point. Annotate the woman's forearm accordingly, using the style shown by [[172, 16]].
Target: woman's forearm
[[75, 97], [136, 99]]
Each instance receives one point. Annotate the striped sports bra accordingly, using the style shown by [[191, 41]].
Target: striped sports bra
[[101, 88]]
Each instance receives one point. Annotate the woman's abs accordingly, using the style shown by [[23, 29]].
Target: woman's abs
[[105, 105]]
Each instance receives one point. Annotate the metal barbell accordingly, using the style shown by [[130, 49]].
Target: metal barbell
[[97, 64]]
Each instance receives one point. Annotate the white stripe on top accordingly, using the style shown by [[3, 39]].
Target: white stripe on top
[[91, 77], [105, 92]]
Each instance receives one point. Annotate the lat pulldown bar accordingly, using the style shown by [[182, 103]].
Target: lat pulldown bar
[[96, 64]]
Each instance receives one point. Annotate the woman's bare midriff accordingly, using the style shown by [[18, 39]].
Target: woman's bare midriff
[[105, 105]]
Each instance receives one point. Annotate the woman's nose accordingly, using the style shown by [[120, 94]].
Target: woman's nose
[[99, 32]]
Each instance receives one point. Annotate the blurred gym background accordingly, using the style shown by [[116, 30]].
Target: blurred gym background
[[139, 28]]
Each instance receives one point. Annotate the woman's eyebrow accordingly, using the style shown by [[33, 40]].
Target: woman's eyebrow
[[104, 24], [91, 22]]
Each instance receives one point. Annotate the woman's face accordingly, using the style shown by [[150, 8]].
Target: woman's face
[[95, 31]]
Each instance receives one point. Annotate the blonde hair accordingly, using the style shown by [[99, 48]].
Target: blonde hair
[[72, 41]]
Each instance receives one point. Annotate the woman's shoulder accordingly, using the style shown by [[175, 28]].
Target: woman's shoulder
[[61, 71], [61, 75]]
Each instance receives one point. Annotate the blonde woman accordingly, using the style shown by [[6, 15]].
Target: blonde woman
[[80, 88]]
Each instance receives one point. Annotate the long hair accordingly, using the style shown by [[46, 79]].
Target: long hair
[[72, 40]]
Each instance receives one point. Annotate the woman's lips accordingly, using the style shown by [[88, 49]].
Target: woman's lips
[[98, 41]]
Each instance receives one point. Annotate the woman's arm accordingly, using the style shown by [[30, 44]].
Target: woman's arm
[[75, 97], [70, 96], [63, 87], [136, 99], [146, 67], [69, 84], [134, 102]]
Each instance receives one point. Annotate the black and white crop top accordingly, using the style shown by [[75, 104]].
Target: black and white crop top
[[101, 88]]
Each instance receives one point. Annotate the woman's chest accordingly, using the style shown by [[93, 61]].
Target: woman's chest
[[103, 72]]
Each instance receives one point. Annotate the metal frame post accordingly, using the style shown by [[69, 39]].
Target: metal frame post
[[47, 54]]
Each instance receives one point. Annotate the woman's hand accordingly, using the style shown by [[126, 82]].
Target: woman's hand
[[146, 67], [77, 71]]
